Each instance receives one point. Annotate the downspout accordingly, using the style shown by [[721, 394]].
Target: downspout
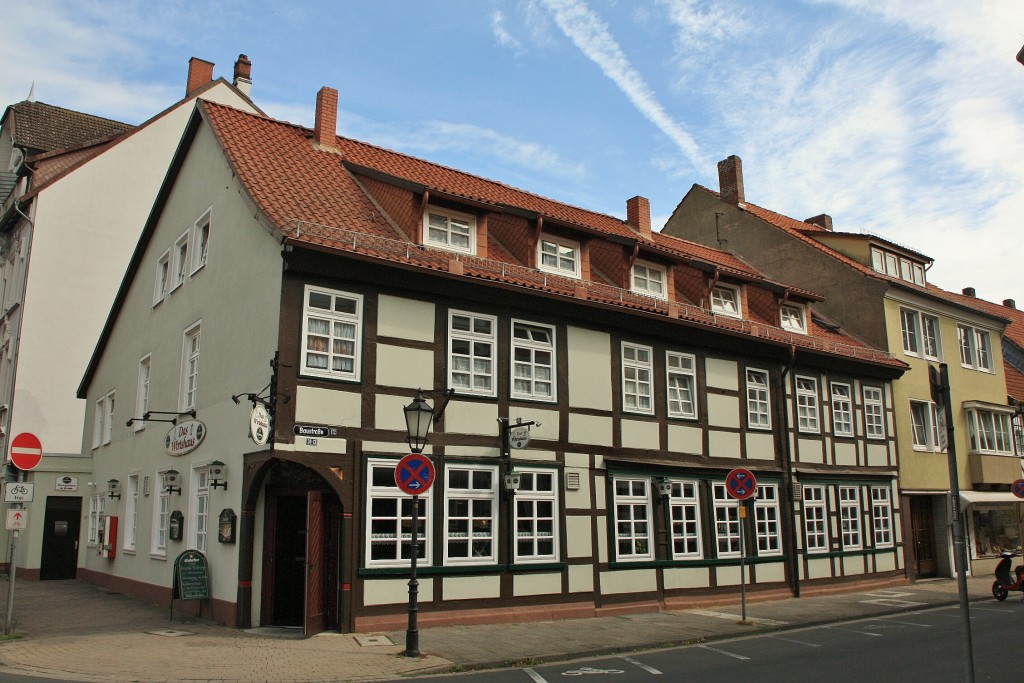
[[787, 475], [711, 286]]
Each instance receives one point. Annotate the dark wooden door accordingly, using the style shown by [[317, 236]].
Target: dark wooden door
[[60, 538], [315, 573], [923, 522]]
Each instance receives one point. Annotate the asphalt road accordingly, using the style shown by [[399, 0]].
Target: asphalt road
[[917, 646]]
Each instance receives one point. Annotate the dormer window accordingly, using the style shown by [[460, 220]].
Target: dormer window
[[558, 255], [726, 301], [897, 266], [793, 318], [649, 279], [449, 230]]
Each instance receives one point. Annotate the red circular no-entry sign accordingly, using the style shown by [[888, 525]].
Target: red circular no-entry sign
[[26, 451], [414, 474], [741, 484]]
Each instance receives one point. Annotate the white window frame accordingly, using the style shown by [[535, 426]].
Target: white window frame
[[975, 348], [910, 330], [874, 412], [431, 231], [842, 409], [727, 522], [649, 279], [767, 525], [97, 502], [561, 245], [759, 410], [180, 269], [881, 516], [906, 270], [793, 317], [131, 513], [633, 533], [987, 428], [850, 520], [927, 423], [637, 379], [190, 349], [199, 527], [931, 339], [725, 300], [473, 364], [877, 260], [680, 380], [536, 516], [808, 415], [320, 343], [386, 491], [685, 529], [201, 240], [531, 370], [481, 525], [816, 523], [99, 412], [108, 417], [892, 265], [162, 285], [161, 516], [142, 392], [919, 276]]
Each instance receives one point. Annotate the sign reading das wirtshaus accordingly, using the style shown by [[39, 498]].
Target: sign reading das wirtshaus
[[184, 437]]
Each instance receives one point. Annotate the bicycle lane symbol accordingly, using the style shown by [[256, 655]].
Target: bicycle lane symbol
[[588, 671]]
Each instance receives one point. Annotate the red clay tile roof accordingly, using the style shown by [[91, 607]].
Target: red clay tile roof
[[44, 127], [1014, 382], [311, 197]]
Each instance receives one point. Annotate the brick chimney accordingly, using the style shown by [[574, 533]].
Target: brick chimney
[[1010, 303], [969, 291], [730, 180], [200, 72], [822, 220], [638, 215], [243, 75], [325, 129]]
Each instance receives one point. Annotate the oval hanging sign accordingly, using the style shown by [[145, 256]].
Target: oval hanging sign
[[259, 424], [519, 437], [184, 437]]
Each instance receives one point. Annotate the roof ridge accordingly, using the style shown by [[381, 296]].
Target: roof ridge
[[73, 111]]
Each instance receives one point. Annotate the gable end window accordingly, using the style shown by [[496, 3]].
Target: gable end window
[[163, 277], [332, 327], [180, 272], [558, 255], [201, 240], [449, 230], [793, 318], [649, 279]]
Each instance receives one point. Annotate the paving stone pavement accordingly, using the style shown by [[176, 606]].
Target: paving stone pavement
[[73, 630]]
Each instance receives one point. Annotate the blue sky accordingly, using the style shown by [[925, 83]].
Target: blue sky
[[903, 118]]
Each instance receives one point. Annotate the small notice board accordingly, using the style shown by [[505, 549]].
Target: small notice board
[[191, 580]]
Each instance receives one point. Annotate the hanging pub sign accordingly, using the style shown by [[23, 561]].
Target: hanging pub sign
[[259, 424], [184, 437], [519, 437]]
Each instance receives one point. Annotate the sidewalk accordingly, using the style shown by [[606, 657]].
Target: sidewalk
[[76, 631]]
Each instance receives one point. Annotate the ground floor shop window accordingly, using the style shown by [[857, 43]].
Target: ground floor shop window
[[389, 520], [633, 519], [536, 521], [995, 528]]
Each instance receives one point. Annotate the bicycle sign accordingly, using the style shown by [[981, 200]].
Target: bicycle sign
[[19, 492]]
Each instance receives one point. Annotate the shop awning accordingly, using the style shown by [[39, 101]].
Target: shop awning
[[989, 497]]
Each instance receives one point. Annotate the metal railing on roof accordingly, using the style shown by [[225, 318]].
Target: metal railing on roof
[[532, 278]]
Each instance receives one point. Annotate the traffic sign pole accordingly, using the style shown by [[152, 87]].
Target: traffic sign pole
[[414, 475]]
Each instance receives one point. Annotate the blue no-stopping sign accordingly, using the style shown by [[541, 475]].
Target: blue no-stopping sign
[[414, 474]]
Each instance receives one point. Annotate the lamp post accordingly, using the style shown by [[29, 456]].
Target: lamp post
[[418, 418]]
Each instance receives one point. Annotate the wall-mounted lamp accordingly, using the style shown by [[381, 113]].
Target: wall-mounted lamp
[[218, 475], [114, 489], [664, 487], [170, 479], [513, 480], [418, 417]]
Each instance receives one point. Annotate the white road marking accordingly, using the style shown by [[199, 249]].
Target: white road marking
[[648, 669], [890, 602], [535, 676], [889, 594], [734, 617], [850, 630], [793, 640], [723, 652], [989, 609], [905, 623]]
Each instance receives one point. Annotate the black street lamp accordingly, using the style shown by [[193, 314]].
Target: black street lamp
[[418, 417]]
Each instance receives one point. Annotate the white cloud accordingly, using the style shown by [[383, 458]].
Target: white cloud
[[592, 37], [501, 33]]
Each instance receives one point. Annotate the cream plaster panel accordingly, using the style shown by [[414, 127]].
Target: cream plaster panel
[[760, 446], [846, 454], [329, 407], [471, 418], [728, 576], [390, 448], [577, 460], [588, 350], [389, 413], [687, 577], [532, 455], [405, 319], [319, 444], [878, 455], [853, 565], [771, 573], [548, 419], [723, 444], [810, 450], [885, 563], [393, 591], [723, 411], [637, 434], [629, 581], [722, 374], [578, 537], [536, 584], [401, 367], [581, 578], [820, 568], [472, 587], [590, 429], [602, 538], [579, 499], [473, 451], [600, 493], [683, 439]]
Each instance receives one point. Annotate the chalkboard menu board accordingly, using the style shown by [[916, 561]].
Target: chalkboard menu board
[[191, 576]]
